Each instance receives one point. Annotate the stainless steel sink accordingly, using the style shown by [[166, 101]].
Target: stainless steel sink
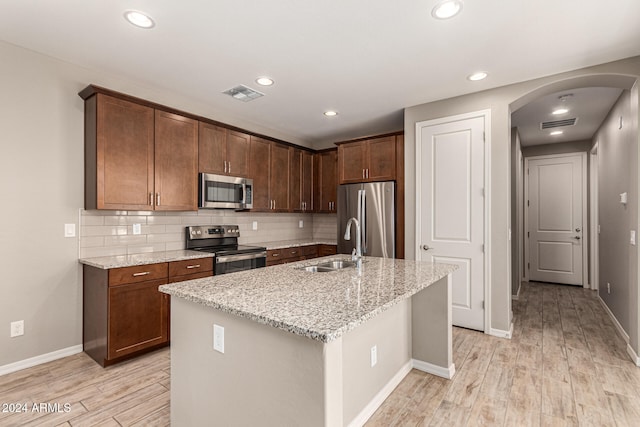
[[337, 265], [327, 266], [316, 269]]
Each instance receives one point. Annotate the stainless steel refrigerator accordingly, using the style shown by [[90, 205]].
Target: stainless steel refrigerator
[[374, 205]]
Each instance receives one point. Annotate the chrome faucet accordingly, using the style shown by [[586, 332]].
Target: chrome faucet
[[356, 255]]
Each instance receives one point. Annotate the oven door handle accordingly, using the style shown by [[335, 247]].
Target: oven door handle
[[240, 257]]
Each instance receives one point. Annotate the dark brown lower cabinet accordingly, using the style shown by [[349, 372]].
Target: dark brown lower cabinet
[[326, 250], [139, 318], [124, 313], [295, 253]]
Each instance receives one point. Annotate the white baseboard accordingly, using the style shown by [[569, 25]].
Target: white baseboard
[[619, 328], [517, 295], [501, 333], [439, 371], [634, 357], [623, 334], [377, 400], [38, 360]]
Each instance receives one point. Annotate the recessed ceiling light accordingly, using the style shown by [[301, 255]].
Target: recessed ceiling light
[[330, 113], [480, 75], [556, 132], [560, 111], [446, 9], [139, 19], [264, 81]]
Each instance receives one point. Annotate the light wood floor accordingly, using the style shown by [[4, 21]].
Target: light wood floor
[[564, 366]]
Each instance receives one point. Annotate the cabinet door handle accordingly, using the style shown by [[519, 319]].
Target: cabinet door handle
[[367, 173], [362, 173], [225, 166], [150, 199], [229, 167], [157, 199], [193, 266], [144, 273]]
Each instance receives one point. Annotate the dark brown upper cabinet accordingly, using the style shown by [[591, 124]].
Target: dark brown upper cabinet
[[301, 181], [326, 180], [368, 160], [223, 151], [138, 158]]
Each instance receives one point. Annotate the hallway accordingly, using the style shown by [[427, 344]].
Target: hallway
[[565, 366]]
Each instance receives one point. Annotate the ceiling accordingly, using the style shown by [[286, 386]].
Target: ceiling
[[366, 59], [589, 106]]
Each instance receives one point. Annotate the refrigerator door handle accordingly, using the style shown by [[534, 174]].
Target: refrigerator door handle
[[362, 218]]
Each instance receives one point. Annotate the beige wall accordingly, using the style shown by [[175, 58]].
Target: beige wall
[[309, 383], [41, 188], [618, 173], [560, 148], [501, 101]]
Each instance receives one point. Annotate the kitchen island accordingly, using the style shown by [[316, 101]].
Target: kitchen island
[[302, 348]]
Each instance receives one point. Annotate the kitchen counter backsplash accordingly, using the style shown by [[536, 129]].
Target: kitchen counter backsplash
[[107, 233]]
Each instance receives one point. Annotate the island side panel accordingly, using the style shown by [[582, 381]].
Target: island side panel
[[431, 329], [266, 376], [366, 386]]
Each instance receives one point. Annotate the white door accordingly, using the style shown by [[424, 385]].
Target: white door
[[450, 209], [555, 219]]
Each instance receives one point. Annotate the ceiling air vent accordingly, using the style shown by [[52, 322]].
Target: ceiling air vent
[[243, 93], [558, 123]]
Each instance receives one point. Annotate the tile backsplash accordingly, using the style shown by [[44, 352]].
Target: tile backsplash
[[105, 233]]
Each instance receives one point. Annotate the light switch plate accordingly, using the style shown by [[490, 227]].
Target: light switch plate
[[218, 338], [374, 355], [254, 225], [69, 230], [137, 229], [632, 237], [301, 224], [623, 198]]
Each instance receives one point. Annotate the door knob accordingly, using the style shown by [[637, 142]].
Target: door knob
[[577, 237], [426, 247], [578, 230]]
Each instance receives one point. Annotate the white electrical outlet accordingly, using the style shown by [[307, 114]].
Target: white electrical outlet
[[608, 287], [218, 338], [374, 355], [301, 224], [69, 230], [137, 229], [17, 328], [254, 225]]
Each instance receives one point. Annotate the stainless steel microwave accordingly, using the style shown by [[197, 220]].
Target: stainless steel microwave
[[224, 192]]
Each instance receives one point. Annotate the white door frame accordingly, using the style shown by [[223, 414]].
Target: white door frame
[[486, 114], [594, 242], [585, 264]]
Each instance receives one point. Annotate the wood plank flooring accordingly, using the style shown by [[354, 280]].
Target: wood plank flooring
[[565, 366]]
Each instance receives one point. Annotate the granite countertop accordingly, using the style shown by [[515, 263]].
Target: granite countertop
[[118, 261], [296, 243], [320, 306]]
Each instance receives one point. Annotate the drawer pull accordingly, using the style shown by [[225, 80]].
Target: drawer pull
[[144, 273], [275, 254], [193, 266]]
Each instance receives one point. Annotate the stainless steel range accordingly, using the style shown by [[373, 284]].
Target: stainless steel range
[[222, 240]]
